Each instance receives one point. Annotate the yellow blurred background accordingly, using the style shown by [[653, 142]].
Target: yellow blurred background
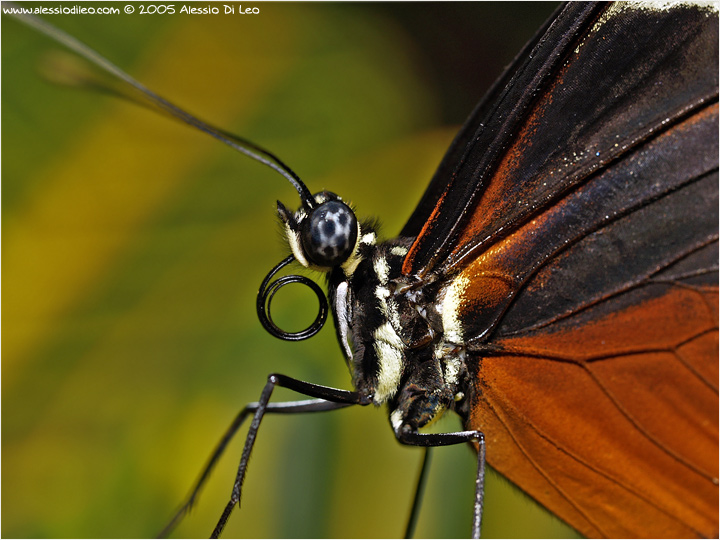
[[133, 248]]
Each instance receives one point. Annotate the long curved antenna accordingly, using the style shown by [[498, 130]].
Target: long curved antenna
[[244, 146]]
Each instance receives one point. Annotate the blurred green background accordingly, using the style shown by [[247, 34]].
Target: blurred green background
[[133, 248]]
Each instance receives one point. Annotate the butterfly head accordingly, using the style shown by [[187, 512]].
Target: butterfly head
[[322, 236]]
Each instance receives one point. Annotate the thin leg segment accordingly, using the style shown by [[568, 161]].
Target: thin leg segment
[[330, 398], [419, 492], [406, 435], [337, 399]]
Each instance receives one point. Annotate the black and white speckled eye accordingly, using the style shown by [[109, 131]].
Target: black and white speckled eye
[[329, 234]]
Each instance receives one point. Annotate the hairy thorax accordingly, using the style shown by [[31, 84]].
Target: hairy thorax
[[394, 336]]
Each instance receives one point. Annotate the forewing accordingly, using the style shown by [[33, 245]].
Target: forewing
[[600, 82], [456, 152]]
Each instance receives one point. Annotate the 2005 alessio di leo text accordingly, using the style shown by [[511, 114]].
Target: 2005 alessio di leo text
[[222, 9]]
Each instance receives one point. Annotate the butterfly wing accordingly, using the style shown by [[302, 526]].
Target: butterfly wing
[[598, 388], [585, 94], [578, 232], [454, 156]]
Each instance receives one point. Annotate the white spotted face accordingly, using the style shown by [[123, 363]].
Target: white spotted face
[[329, 235], [325, 236]]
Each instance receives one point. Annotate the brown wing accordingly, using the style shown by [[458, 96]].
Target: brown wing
[[613, 426], [595, 330]]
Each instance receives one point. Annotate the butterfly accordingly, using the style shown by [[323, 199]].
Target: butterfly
[[450, 276]]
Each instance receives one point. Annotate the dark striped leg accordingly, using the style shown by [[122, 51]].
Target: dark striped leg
[[326, 399], [406, 435]]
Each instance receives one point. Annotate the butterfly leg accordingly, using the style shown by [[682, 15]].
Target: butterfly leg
[[326, 398], [419, 491], [406, 435], [287, 407]]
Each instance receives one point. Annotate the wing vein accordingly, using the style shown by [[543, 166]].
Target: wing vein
[[499, 350], [606, 474]]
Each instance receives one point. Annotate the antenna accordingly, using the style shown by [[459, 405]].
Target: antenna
[[240, 144]]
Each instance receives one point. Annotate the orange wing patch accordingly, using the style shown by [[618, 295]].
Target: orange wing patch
[[613, 426]]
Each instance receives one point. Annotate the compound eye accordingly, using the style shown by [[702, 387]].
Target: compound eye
[[329, 234]]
